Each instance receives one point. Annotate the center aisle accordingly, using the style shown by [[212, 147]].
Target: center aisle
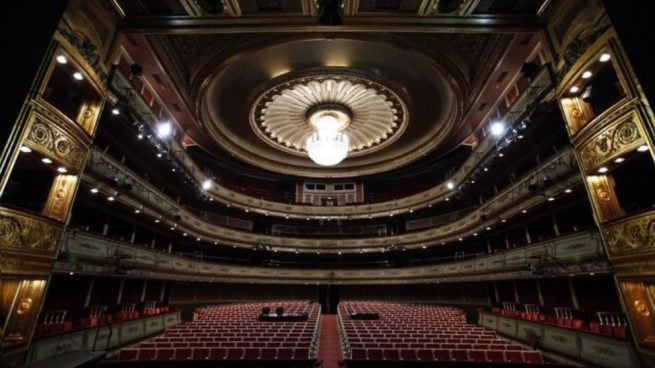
[[329, 346]]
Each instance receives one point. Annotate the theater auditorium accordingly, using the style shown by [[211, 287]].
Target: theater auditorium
[[327, 184]]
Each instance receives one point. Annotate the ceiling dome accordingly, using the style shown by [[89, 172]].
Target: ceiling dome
[[370, 114]]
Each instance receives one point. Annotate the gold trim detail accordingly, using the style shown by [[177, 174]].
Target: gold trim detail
[[631, 236], [47, 138], [28, 234], [60, 198], [614, 140]]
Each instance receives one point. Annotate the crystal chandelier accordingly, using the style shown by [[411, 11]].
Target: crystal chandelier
[[328, 145]]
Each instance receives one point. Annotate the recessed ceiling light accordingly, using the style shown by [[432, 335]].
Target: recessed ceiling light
[[443, 243], [111, 198], [475, 234], [61, 59], [604, 57], [520, 136], [139, 136], [642, 148], [524, 211], [156, 221], [172, 228], [137, 211], [574, 89], [501, 155], [618, 160], [423, 246], [411, 210], [94, 190], [62, 170], [486, 169], [159, 155], [450, 185], [184, 234], [78, 76], [568, 190], [198, 239], [430, 205], [215, 243], [71, 273], [25, 149], [447, 199], [603, 169], [550, 199], [46, 160], [115, 111], [587, 74], [247, 210], [503, 221], [461, 239], [488, 227], [339, 253]]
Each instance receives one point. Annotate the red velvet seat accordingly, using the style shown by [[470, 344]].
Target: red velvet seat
[[300, 353], [514, 356], [424, 354], [218, 353], [441, 355], [268, 354], [374, 354], [147, 354], [183, 354], [533, 357], [391, 354], [408, 354], [459, 355], [251, 354], [165, 354], [496, 356], [234, 354], [284, 354], [358, 354], [200, 353], [477, 355]]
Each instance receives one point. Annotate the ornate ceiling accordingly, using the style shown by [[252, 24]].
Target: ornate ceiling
[[432, 77]]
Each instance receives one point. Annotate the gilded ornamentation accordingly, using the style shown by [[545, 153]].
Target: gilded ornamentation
[[641, 307], [61, 197], [575, 50], [89, 52], [27, 234], [55, 141], [610, 142], [632, 236]]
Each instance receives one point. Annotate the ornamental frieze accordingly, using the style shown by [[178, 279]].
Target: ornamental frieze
[[611, 142], [27, 234], [632, 236], [54, 141]]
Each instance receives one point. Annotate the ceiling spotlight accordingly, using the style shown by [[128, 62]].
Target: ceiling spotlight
[[447, 199], [197, 239], [61, 59], [461, 239], [137, 211], [172, 227], [501, 155], [524, 211], [25, 149], [139, 136], [520, 136], [586, 75], [485, 169], [550, 199], [497, 128], [642, 148], [423, 246], [503, 221], [215, 243], [450, 185], [159, 154], [488, 228], [604, 57], [475, 234], [46, 160], [184, 234], [94, 190], [62, 170], [111, 198], [574, 89], [603, 169], [115, 111], [430, 205], [247, 210], [618, 160], [164, 130], [156, 221], [568, 190], [411, 210], [78, 76], [207, 184]]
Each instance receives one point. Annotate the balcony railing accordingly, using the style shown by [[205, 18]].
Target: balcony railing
[[575, 253]]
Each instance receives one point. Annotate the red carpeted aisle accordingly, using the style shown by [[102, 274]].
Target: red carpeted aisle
[[329, 346]]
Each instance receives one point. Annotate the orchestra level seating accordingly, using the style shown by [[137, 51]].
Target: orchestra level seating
[[234, 335], [421, 335]]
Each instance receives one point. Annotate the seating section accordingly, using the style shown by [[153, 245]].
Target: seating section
[[412, 332], [234, 332]]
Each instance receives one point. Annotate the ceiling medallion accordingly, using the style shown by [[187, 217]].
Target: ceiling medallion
[[329, 116]]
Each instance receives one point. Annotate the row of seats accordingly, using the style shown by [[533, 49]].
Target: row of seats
[[234, 332], [447, 355], [441, 335], [201, 353]]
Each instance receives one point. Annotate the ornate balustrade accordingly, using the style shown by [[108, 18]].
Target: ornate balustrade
[[576, 253], [509, 202]]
